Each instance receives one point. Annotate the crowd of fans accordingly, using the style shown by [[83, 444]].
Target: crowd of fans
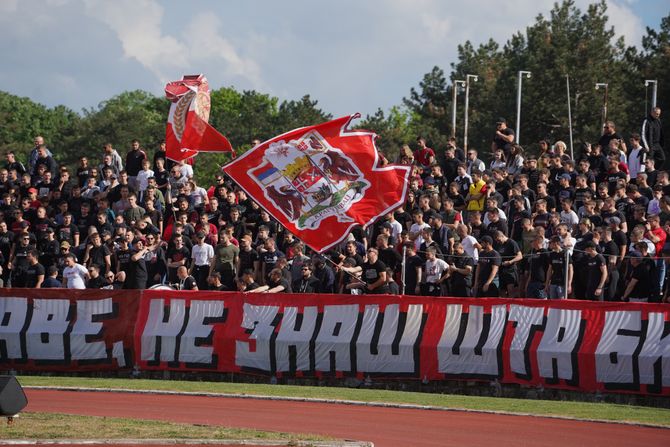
[[548, 226]]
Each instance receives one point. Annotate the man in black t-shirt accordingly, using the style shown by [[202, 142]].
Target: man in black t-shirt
[[34, 271], [538, 264], [596, 273], [558, 262], [639, 280], [503, 138], [307, 283], [510, 255], [460, 272], [186, 281], [413, 269], [486, 276], [374, 273]]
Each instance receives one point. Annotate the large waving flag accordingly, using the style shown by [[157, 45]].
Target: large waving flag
[[320, 181], [188, 130]]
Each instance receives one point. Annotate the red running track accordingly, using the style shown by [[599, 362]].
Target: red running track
[[386, 427]]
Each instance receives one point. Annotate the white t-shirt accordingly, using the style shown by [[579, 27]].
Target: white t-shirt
[[75, 276], [416, 229], [201, 255], [468, 243], [186, 170], [143, 179], [435, 269], [635, 166]]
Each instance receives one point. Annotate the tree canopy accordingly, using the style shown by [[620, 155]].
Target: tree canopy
[[567, 42]]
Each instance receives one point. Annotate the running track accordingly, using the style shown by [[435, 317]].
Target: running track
[[386, 427]]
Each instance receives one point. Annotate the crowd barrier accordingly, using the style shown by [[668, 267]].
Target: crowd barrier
[[573, 345]]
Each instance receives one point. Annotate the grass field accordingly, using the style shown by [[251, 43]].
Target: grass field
[[579, 410], [60, 426]]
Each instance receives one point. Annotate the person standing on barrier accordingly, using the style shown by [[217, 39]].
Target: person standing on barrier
[[596, 273], [460, 272], [558, 265], [486, 275]]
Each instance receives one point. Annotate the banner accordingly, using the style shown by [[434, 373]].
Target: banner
[[321, 181], [188, 130], [67, 330], [573, 345]]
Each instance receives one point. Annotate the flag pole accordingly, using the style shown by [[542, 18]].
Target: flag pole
[[402, 272]]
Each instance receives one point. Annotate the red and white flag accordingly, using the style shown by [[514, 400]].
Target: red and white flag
[[320, 181], [188, 130]]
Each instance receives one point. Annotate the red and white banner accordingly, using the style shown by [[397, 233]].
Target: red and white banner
[[188, 130], [320, 181], [67, 330], [574, 345]]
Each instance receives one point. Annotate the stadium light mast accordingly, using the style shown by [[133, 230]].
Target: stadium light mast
[[521, 74], [454, 93], [467, 105], [605, 86], [653, 91]]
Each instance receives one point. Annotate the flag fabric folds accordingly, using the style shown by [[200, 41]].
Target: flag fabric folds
[[320, 181], [188, 130]]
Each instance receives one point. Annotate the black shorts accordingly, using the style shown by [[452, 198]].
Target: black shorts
[[508, 278]]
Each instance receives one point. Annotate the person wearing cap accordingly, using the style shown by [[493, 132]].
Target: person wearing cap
[[639, 280], [503, 137], [511, 256], [596, 273], [486, 274], [324, 273]]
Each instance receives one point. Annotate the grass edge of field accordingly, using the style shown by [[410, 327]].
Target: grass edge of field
[[59, 426], [601, 411]]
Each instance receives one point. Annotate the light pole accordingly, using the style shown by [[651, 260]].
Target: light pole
[[605, 85], [653, 92], [467, 105], [518, 103], [454, 92]]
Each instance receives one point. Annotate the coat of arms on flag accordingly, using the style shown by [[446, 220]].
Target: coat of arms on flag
[[319, 181]]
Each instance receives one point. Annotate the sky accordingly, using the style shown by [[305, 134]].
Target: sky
[[351, 56]]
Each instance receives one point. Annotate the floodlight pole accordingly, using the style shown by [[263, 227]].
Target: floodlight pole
[[518, 102], [653, 91], [605, 85], [467, 106], [454, 93], [567, 81]]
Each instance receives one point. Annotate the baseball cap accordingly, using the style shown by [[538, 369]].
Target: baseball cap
[[486, 239], [32, 190], [565, 177], [635, 254], [613, 220]]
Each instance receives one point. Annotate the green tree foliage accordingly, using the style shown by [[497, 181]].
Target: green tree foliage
[[567, 41], [23, 119]]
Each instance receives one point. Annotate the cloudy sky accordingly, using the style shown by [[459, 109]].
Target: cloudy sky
[[349, 55]]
